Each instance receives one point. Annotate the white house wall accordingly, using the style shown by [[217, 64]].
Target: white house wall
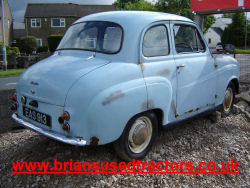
[[215, 38]]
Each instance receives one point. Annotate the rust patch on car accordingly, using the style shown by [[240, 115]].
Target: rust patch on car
[[164, 72], [142, 67], [173, 107], [190, 111], [94, 141], [112, 97], [211, 105]]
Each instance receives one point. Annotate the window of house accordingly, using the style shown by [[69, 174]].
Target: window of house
[[155, 42], [57, 22], [40, 41], [35, 22], [209, 41], [188, 39], [8, 24]]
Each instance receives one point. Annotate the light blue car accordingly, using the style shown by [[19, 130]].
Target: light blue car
[[119, 76]]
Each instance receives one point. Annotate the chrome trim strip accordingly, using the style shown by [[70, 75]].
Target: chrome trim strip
[[53, 135]]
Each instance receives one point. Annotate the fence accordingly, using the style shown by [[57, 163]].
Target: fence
[[244, 65]]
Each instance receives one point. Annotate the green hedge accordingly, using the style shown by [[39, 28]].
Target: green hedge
[[27, 44], [42, 49], [53, 41]]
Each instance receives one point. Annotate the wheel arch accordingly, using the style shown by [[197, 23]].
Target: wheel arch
[[236, 84]]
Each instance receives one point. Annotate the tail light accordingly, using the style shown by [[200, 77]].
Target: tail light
[[63, 120], [65, 116], [13, 98], [66, 127]]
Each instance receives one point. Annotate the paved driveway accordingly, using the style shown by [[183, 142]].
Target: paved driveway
[[8, 82]]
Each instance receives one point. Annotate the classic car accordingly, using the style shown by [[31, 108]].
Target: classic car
[[219, 47], [116, 77]]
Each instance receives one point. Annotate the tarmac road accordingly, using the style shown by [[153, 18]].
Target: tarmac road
[[8, 82]]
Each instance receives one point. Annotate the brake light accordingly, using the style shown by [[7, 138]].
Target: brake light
[[13, 98], [66, 127]]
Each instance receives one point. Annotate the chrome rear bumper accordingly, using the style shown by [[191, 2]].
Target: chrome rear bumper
[[51, 134]]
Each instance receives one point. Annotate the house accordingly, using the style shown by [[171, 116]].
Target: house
[[18, 30], [8, 23], [42, 20], [214, 33], [213, 36]]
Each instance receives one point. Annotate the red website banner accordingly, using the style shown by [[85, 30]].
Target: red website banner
[[208, 5], [134, 167]]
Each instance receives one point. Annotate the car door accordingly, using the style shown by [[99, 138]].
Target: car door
[[159, 69], [196, 79]]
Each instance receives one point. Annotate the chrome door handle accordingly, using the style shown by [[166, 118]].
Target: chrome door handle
[[180, 66]]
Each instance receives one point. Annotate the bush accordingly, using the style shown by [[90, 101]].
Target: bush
[[42, 49], [53, 41], [9, 50], [12, 50], [27, 44]]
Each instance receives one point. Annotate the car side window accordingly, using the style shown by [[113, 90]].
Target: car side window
[[188, 39], [155, 42]]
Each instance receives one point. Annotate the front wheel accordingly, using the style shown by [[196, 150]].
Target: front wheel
[[227, 104], [137, 137]]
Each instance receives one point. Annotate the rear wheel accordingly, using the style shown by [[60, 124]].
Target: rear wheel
[[227, 104], [138, 137]]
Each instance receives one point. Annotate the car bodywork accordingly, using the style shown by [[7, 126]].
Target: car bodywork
[[102, 92]]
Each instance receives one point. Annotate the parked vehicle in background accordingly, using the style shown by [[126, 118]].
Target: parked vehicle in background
[[118, 76], [219, 47], [229, 48]]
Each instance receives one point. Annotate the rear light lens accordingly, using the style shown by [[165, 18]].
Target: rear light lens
[[13, 98], [66, 127], [65, 116]]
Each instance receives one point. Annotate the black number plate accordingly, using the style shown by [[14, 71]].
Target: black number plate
[[37, 116]]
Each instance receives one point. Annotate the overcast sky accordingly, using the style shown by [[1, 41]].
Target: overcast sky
[[18, 7]]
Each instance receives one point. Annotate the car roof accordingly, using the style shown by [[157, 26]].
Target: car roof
[[133, 17]]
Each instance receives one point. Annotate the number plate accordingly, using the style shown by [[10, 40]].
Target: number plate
[[37, 116]]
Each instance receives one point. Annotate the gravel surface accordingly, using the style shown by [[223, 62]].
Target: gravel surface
[[199, 140]]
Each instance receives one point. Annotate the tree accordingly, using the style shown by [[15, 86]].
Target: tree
[[228, 15], [180, 7], [235, 32], [139, 5], [208, 22], [120, 4]]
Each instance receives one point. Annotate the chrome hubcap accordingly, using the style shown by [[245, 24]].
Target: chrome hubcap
[[228, 99], [140, 134]]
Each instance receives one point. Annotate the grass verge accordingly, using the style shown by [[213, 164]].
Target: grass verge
[[242, 51], [11, 72]]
